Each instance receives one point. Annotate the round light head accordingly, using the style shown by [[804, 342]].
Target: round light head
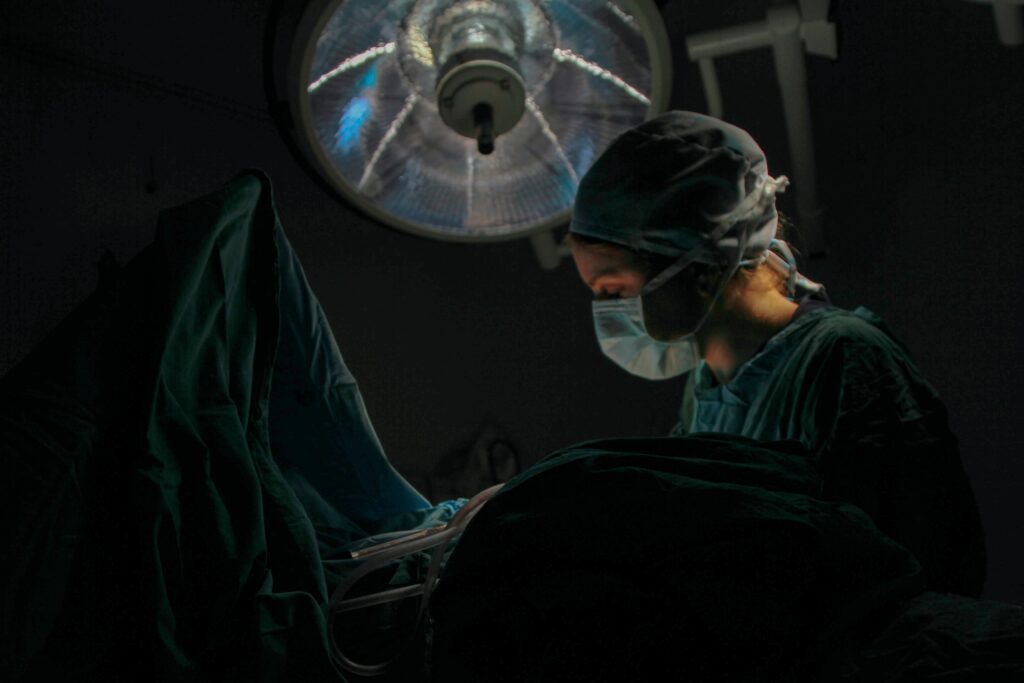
[[477, 83], [470, 120]]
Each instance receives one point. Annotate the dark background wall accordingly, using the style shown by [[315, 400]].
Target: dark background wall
[[111, 110]]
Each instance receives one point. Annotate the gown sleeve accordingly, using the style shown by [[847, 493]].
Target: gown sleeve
[[891, 452]]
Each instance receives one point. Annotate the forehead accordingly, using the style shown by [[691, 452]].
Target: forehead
[[596, 260]]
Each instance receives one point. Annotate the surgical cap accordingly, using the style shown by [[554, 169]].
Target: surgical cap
[[681, 183]]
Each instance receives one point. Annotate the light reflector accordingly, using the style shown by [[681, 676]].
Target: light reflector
[[364, 97]]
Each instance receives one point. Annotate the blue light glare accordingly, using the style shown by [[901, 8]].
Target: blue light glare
[[369, 79], [584, 155], [566, 187], [356, 113]]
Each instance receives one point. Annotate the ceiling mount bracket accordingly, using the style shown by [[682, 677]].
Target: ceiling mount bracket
[[790, 31]]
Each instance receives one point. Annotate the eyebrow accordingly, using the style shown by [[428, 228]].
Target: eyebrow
[[607, 270]]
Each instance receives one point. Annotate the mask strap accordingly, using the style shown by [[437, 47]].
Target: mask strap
[[696, 255], [796, 282], [783, 266], [702, 253]]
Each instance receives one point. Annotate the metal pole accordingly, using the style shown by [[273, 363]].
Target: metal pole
[[549, 253], [791, 72], [728, 41], [712, 93], [1009, 22]]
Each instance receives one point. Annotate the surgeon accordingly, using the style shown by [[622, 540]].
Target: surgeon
[[675, 231]]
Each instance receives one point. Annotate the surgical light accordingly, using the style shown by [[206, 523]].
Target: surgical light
[[468, 120]]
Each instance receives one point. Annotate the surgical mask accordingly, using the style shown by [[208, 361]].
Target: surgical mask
[[623, 337]]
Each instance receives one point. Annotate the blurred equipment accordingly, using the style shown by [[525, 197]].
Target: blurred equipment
[[435, 539], [1009, 17], [464, 120], [490, 456]]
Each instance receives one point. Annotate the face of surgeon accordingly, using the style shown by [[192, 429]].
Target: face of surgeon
[[609, 271], [614, 272]]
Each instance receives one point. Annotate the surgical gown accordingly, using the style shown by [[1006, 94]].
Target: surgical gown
[[186, 461], [839, 384]]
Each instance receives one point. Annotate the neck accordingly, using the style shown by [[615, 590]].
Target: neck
[[732, 336]]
